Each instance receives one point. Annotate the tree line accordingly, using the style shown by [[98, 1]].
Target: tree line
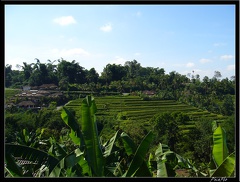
[[213, 94]]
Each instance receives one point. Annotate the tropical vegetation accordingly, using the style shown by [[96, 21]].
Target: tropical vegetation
[[141, 122], [118, 157]]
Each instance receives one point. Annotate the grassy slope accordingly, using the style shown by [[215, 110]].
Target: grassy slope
[[137, 112], [11, 92]]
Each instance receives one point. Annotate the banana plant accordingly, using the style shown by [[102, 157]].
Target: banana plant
[[31, 139], [90, 158], [32, 159], [167, 161], [106, 158], [222, 163], [93, 150], [138, 166]]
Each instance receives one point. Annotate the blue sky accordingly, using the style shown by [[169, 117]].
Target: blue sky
[[179, 38]]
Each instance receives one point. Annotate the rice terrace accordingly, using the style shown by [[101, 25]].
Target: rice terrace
[[132, 109]]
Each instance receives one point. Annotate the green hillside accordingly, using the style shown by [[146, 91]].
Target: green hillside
[[124, 111], [11, 92]]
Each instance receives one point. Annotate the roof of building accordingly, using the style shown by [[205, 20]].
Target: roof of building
[[43, 92], [48, 85], [26, 103], [147, 92], [56, 94], [29, 95]]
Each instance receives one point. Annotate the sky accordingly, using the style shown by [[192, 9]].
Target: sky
[[181, 38]]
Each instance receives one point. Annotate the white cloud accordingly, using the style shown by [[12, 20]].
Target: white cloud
[[189, 65], [226, 57], [231, 67], [138, 14], [162, 64], [203, 60], [65, 20], [137, 54], [118, 60], [178, 65], [70, 40], [70, 52], [106, 27], [14, 62], [218, 44]]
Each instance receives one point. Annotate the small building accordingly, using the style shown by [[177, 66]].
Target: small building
[[33, 91], [57, 94], [43, 92], [26, 87], [48, 87], [26, 104], [125, 94], [149, 93], [34, 88]]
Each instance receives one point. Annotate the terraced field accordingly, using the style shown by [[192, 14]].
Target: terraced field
[[8, 93], [132, 109]]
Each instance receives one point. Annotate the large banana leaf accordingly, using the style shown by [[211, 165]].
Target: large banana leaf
[[226, 169], [57, 151], [139, 156], [161, 166], [68, 162], [168, 160], [76, 134], [42, 171], [29, 154], [220, 150], [150, 162], [89, 129], [69, 119], [143, 171], [12, 167], [128, 143], [109, 146], [166, 164], [111, 156]]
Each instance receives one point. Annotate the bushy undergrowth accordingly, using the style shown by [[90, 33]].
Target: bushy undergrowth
[[129, 113]]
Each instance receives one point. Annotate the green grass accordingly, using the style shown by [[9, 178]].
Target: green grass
[[139, 112], [11, 92]]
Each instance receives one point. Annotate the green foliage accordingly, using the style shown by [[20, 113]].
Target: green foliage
[[227, 106], [220, 150], [119, 156], [88, 158], [230, 127], [222, 164], [200, 141], [9, 93], [226, 168], [122, 116], [31, 139], [90, 135], [35, 157], [138, 165], [166, 126]]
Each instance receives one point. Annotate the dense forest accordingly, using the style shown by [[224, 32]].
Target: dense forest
[[214, 95]]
